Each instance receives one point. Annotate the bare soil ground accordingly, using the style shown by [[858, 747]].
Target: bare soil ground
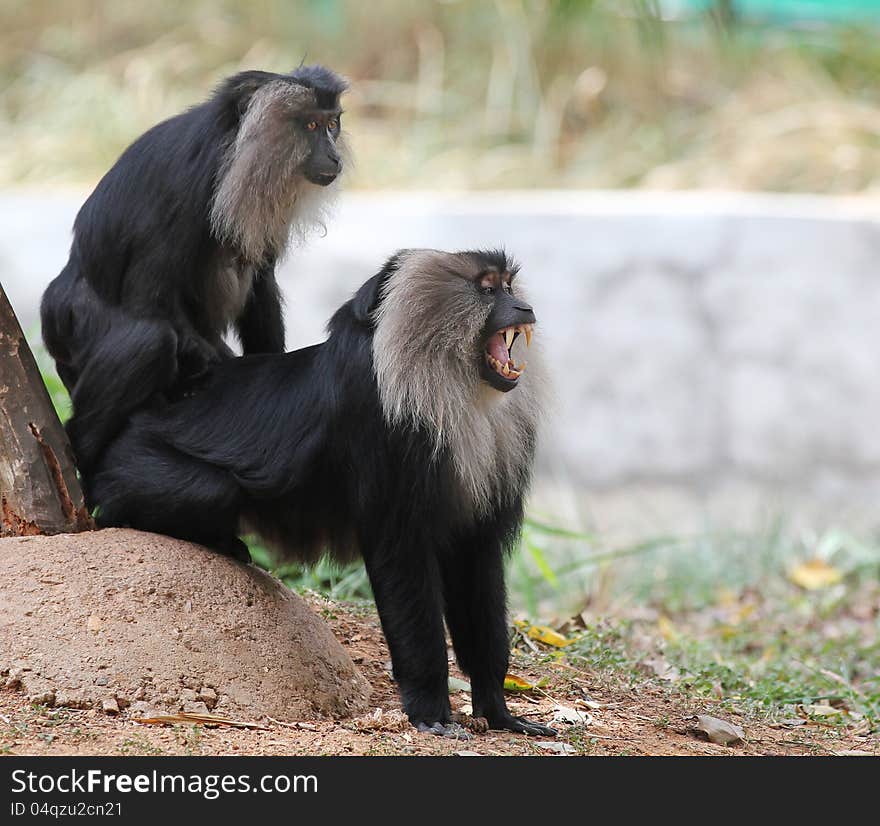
[[121, 619], [623, 716]]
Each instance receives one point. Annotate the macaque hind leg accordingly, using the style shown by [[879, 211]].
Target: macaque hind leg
[[475, 598], [405, 583], [133, 362]]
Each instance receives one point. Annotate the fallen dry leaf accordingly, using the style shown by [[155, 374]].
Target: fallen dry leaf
[[667, 628], [814, 574], [564, 714], [661, 669], [380, 720], [559, 748], [455, 684], [548, 636], [819, 710], [719, 731], [791, 722], [201, 719], [514, 683]]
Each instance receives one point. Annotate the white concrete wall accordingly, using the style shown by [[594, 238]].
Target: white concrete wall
[[715, 355]]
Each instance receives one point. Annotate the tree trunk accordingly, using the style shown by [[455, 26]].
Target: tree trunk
[[39, 491]]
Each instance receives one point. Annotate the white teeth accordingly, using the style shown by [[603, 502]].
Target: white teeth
[[527, 329], [511, 370], [509, 333]]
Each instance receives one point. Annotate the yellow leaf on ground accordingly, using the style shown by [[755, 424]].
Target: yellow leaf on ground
[[667, 629], [514, 683], [819, 710], [814, 574], [548, 636]]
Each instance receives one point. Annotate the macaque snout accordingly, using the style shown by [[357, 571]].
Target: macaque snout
[[324, 170]]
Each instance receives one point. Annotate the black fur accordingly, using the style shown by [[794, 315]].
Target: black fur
[[297, 446], [128, 315]]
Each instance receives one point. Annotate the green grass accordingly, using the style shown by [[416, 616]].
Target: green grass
[[348, 583], [756, 641], [57, 391], [783, 664]]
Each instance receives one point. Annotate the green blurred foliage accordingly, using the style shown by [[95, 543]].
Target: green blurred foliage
[[464, 95], [57, 391]]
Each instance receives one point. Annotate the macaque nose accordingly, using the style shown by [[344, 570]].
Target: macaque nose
[[525, 309]]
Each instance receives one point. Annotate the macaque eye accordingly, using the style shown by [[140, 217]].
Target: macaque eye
[[332, 124], [312, 125]]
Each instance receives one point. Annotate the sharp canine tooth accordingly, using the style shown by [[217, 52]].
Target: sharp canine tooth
[[505, 369], [508, 336], [527, 328]]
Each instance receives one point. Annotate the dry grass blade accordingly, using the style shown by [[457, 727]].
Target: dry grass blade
[[201, 719]]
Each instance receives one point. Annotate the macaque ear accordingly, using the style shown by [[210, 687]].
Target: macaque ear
[[241, 87], [367, 298]]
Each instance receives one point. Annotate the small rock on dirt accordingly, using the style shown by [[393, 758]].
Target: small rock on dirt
[[719, 731], [195, 708]]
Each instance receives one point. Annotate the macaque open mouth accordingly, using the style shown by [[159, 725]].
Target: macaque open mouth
[[325, 178], [498, 356]]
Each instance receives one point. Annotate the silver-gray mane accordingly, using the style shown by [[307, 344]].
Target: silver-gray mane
[[261, 201], [426, 351]]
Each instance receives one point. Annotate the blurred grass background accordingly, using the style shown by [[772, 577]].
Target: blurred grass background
[[778, 95]]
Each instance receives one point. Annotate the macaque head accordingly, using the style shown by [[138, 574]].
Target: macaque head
[[317, 116], [446, 324], [287, 141], [460, 311]]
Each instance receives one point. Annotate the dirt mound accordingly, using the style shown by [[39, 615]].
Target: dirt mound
[[115, 618]]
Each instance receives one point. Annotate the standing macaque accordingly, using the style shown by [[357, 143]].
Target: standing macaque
[[407, 438]]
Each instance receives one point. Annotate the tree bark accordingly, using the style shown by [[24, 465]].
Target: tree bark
[[39, 490]]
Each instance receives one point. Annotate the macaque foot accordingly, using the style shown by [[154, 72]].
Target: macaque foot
[[234, 548], [452, 731], [196, 357], [521, 725]]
